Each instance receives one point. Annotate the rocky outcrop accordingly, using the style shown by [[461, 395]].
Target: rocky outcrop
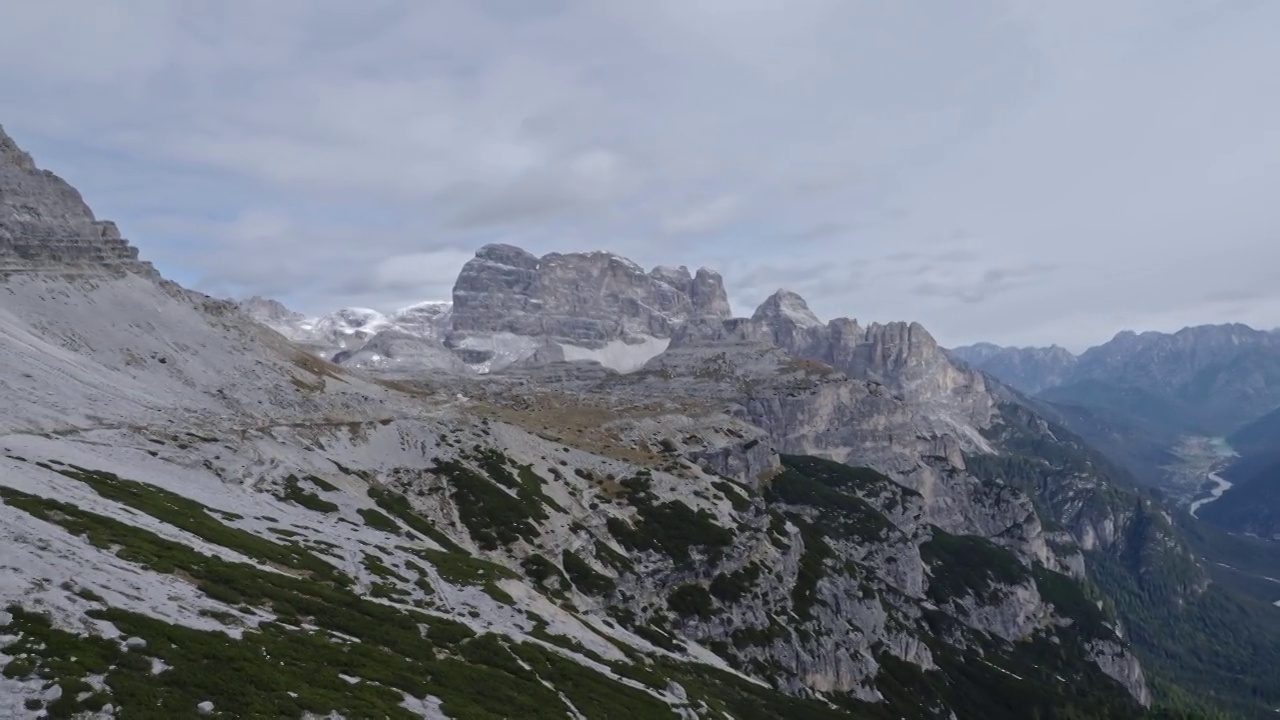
[[46, 227], [1120, 665], [496, 291], [585, 299], [902, 357], [705, 289], [269, 311]]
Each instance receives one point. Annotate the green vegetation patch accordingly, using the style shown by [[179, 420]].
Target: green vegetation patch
[[691, 600], [324, 485], [294, 493], [274, 671], [804, 594], [60, 658], [732, 494], [1071, 600], [544, 573], [525, 481], [378, 521], [492, 516], [749, 636], [398, 506], [671, 528], [968, 565], [593, 695], [463, 569], [584, 577], [614, 559], [829, 488], [378, 568], [732, 587], [144, 547]]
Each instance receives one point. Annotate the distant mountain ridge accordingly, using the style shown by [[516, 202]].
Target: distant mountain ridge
[[1029, 369], [1207, 379]]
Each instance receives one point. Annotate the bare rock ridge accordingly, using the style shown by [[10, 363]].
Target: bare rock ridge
[[1029, 369], [45, 226], [511, 308]]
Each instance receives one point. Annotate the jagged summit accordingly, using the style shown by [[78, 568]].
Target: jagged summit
[[788, 306], [268, 310], [45, 225], [512, 308], [509, 303]]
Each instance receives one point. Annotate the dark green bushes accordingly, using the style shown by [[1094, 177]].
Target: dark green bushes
[[584, 577], [963, 565]]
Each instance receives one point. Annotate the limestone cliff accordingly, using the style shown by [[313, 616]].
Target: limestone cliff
[[45, 226]]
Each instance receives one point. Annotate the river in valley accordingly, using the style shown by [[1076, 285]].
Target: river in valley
[[1220, 485]]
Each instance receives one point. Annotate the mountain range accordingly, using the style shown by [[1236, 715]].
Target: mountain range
[[1140, 395], [580, 490]]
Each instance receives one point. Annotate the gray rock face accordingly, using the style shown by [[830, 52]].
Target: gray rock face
[[496, 290], [269, 311], [586, 299], [45, 226], [903, 357], [705, 289], [1123, 667], [806, 408]]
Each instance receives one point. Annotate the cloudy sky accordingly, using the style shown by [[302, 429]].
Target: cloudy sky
[[1020, 171]]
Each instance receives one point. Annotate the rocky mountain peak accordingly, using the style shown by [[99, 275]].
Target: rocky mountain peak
[[504, 254], [787, 307], [708, 295], [45, 225], [898, 342], [583, 299], [268, 310], [677, 277]]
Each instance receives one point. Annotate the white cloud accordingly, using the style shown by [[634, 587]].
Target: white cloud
[[418, 270], [704, 217]]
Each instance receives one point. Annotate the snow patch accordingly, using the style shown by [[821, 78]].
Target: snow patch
[[619, 355]]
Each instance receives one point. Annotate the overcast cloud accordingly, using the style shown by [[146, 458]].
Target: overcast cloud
[[1018, 171]]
